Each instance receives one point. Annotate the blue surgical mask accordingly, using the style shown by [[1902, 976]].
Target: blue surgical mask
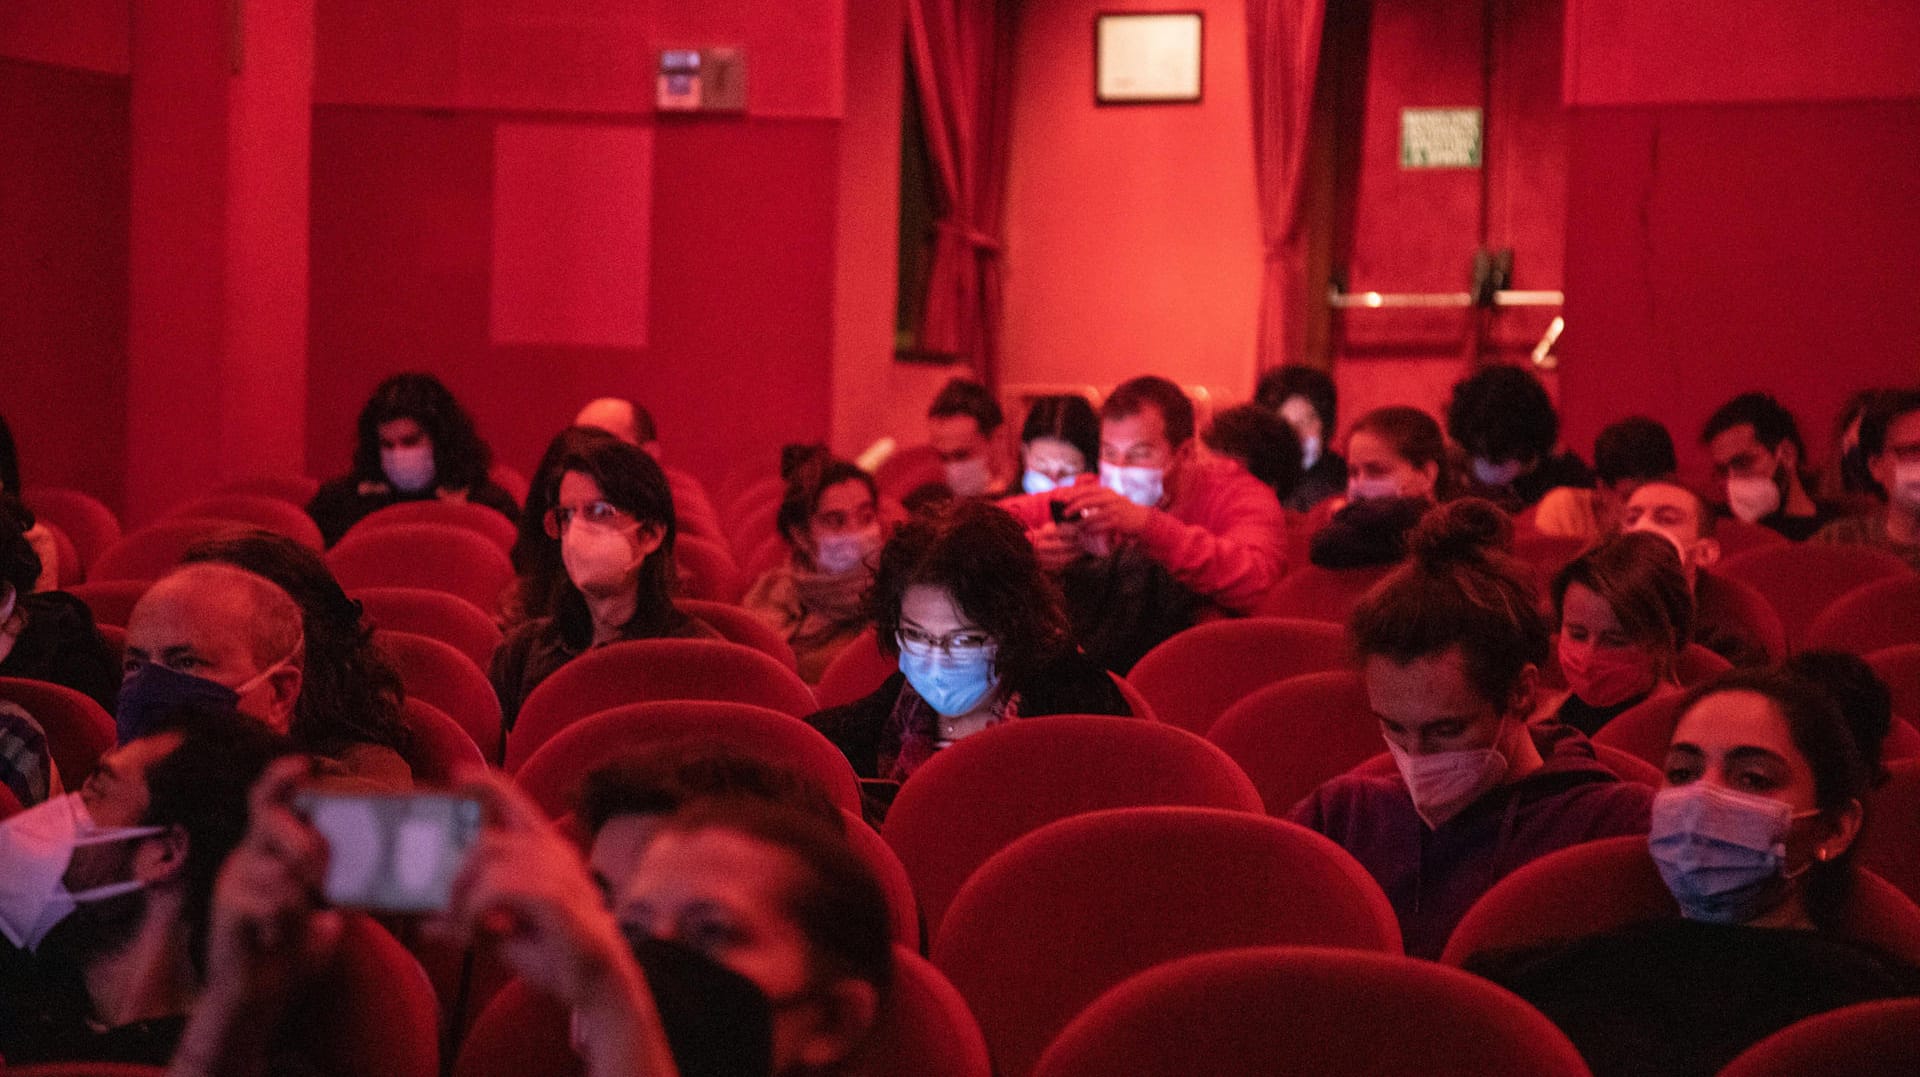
[[409, 469], [1489, 473], [1034, 482], [951, 684], [1721, 853]]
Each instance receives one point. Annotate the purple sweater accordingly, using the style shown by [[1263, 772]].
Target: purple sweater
[[1433, 876]]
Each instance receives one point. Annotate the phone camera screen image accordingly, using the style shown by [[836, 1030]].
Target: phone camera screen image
[[392, 853]]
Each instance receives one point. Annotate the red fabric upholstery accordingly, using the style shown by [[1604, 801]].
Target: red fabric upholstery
[[87, 521], [373, 1013], [439, 674], [752, 494], [78, 731], [1900, 668], [1644, 730], [1738, 536], [521, 1033], [1606, 884], [111, 601], [1292, 736], [926, 1029], [1332, 1013], [296, 490], [1055, 919], [754, 526], [856, 672], [85, 1069], [693, 510], [764, 558], [509, 478], [9, 804], [437, 614], [741, 626], [1889, 843], [116, 638], [1191, 679], [70, 570], [1698, 664], [1881, 614], [1136, 702], [457, 560], [550, 770], [1313, 593], [1870, 1039], [256, 510], [154, 550], [640, 671], [975, 798], [907, 470], [1801, 579], [476, 518], [1741, 605], [1547, 554], [707, 569], [440, 747], [903, 909]]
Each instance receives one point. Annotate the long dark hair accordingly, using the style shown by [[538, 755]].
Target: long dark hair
[[631, 481], [460, 458], [806, 484], [536, 554]]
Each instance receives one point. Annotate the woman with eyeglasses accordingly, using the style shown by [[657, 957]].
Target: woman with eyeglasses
[[612, 514], [829, 519], [961, 602]]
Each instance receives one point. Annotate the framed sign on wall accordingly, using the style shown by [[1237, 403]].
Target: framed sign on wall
[[1146, 58]]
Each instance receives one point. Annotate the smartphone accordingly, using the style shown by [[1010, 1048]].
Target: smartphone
[[1060, 513], [392, 852]]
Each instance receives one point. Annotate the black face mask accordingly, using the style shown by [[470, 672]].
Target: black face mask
[[152, 692], [717, 1021]]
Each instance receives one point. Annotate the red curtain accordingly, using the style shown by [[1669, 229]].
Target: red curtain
[[1283, 60], [962, 55]]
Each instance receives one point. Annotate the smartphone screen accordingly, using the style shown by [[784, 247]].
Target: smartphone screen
[[392, 852]]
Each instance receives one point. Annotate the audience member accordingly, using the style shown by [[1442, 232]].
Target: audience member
[[1396, 471], [107, 891], [415, 443], [1890, 445], [1846, 475], [47, 635], [1259, 441], [961, 602], [1625, 454], [830, 520], [613, 516], [1451, 647], [1306, 398], [37, 533], [1723, 617], [1059, 441], [349, 704], [623, 419], [964, 427], [1757, 454], [1753, 833], [1501, 415], [537, 567], [1625, 615]]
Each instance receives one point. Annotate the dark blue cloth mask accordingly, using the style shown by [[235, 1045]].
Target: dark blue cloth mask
[[151, 692]]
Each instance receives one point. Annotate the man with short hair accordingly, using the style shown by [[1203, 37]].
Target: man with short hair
[[114, 978], [1890, 444], [965, 426], [1626, 453], [1502, 416], [623, 419], [1757, 453], [215, 633], [1725, 611]]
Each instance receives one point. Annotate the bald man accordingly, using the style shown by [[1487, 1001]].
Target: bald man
[[217, 634], [623, 419]]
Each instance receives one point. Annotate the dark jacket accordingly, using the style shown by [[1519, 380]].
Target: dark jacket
[[1367, 533], [1326, 478], [347, 500], [60, 644], [535, 649], [1433, 876]]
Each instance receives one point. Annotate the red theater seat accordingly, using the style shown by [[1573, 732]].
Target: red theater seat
[[457, 560], [69, 571], [520, 1033], [1061, 915], [111, 601], [255, 510], [154, 550], [1738, 536], [1881, 614], [1313, 593], [87, 521], [1698, 664], [1900, 668], [855, 673], [755, 525], [752, 493], [296, 490], [1799, 579], [550, 770], [707, 570], [509, 478], [78, 730], [9, 804], [737, 625], [1889, 844], [1292, 736], [692, 509], [903, 909], [440, 746], [1192, 678], [907, 470], [925, 1030], [439, 674], [1870, 1039], [975, 798], [425, 612], [1611, 883], [1308, 1010], [373, 1013], [480, 519]]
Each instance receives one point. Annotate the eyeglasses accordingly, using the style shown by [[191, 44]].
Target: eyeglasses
[[963, 644], [593, 513]]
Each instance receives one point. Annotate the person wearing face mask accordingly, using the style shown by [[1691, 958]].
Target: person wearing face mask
[[1307, 399], [1396, 470], [1890, 445], [105, 892], [1625, 614], [965, 426], [1059, 441], [1450, 647], [612, 518], [47, 635], [1757, 453], [1730, 618], [960, 602], [1752, 833], [830, 520], [414, 443], [1504, 419]]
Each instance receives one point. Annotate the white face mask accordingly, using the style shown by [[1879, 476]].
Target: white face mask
[[1370, 489], [1144, 486], [1752, 499], [409, 468], [969, 477], [36, 847], [1906, 485], [599, 560], [1442, 784], [1489, 473], [847, 550], [1309, 452]]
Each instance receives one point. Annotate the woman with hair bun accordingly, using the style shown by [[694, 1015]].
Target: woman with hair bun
[[1450, 646]]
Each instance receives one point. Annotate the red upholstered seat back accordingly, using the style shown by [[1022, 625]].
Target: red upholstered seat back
[[1800, 579], [737, 625], [479, 519], [1192, 678], [86, 520], [457, 560], [1869, 1039], [1881, 614], [439, 674], [1292, 736], [78, 731], [856, 672], [256, 510], [154, 550], [435, 614], [1313, 593], [926, 1029], [111, 601]]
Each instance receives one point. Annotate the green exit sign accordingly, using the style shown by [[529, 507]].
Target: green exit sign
[[1440, 138]]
